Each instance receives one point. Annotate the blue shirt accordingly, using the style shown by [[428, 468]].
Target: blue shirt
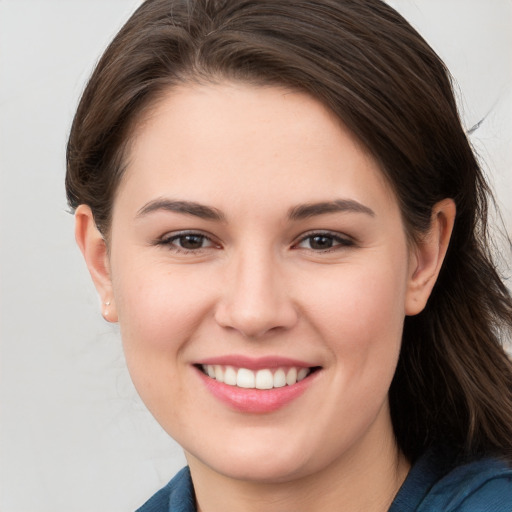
[[483, 485]]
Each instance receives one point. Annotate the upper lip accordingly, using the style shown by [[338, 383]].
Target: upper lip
[[258, 363]]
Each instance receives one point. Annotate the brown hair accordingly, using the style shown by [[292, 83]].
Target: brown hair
[[453, 383]]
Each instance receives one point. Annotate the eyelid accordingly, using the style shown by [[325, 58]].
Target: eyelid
[[341, 239], [168, 239]]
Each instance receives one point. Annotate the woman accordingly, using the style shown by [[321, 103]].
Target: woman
[[278, 204]]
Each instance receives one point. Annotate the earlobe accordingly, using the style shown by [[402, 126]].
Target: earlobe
[[94, 250], [427, 256]]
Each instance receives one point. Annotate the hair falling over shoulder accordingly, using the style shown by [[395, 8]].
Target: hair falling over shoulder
[[454, 362], [453, 384]]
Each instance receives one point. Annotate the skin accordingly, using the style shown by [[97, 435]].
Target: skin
[[257, 285]]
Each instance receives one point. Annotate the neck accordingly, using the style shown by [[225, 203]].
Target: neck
[[366, 479]]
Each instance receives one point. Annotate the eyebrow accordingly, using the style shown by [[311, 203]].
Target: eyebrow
[[299, 212], [304, 211], [187, 207]]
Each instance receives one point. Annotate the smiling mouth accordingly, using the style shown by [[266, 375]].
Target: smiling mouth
[[265, 378]]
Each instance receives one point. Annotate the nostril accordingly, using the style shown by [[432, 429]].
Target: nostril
[[254, 320]]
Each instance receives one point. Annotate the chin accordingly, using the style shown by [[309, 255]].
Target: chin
[[254, 463]]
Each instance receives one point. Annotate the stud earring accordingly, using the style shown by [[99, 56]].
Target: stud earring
[[105, 311]]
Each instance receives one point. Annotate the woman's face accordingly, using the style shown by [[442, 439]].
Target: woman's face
[[253, 239]]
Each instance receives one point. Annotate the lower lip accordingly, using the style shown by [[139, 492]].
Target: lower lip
[[257, 401]]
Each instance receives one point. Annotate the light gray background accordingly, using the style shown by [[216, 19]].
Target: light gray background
[[74, 436]]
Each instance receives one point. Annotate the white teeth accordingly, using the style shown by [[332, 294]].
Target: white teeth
[[245, 378], [219, 374], [279, 378], [230, 376], [302, 374], [291, 376], [262, 379]]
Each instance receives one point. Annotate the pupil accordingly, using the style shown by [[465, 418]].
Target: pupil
[[321, 242], [191, 241]]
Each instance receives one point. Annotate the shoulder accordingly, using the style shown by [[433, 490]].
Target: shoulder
[[176, 496], [484, 485], [436, 484]]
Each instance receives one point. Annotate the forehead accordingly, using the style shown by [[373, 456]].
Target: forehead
[[207, 141]]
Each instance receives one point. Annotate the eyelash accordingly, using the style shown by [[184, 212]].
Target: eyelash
[[337, 242], [169, 242]]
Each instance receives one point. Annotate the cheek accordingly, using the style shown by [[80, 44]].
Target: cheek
[[363, 304], [361, 320], [159, 312], [157, 305]]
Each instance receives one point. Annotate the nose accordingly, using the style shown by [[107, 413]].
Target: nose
[[255, 300]]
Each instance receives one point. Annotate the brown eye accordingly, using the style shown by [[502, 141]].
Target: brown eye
[[321, 242], [324, 242], [186, 242], [190, 242]]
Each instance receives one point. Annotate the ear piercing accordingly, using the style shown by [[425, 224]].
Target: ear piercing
[[105, 311]]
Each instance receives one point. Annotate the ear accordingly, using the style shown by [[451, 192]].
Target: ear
[[427, 256], [94, 249]]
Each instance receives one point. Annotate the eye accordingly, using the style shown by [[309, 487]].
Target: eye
[[324, 241], [187, 241]]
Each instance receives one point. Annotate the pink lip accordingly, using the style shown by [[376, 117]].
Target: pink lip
[[254, 364], [256, 401]]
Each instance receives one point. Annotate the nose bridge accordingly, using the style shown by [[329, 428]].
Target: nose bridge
[[255, 299]]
